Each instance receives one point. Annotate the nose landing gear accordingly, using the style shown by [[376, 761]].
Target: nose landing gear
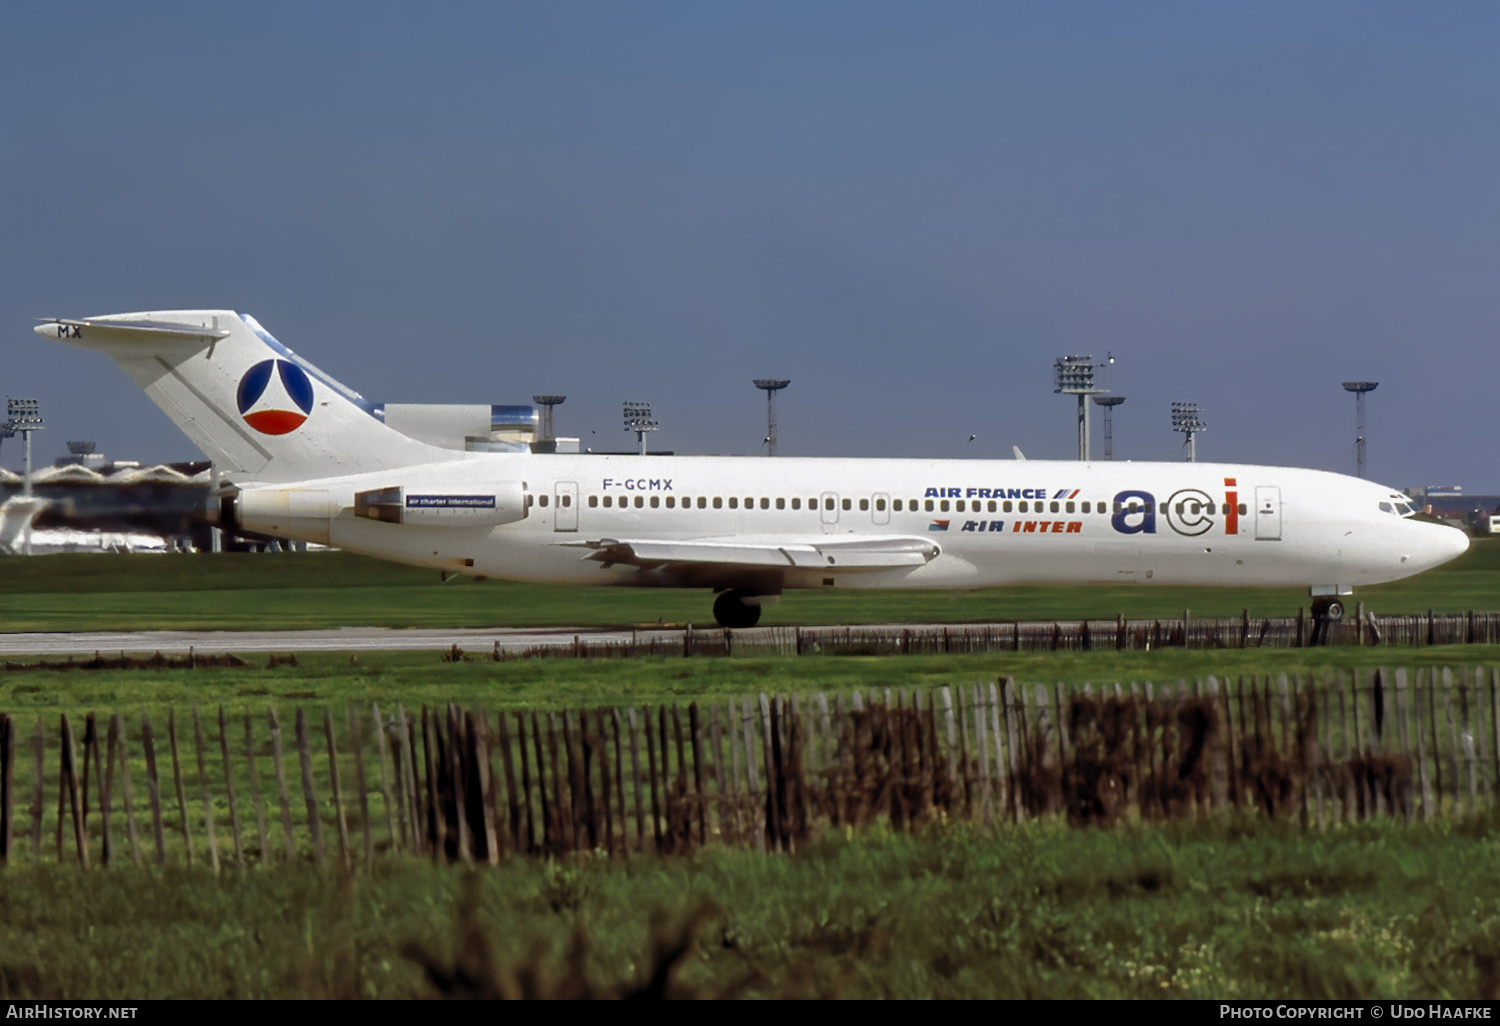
[[1326, 610]]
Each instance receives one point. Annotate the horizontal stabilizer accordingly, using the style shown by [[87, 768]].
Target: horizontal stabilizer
[[64, 330], [851, 555]]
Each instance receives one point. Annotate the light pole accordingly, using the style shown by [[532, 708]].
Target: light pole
[[24, 415], [1185, 418], [771, 386], [638, 419], [1075, 376], [1359, 388], [1109, 402]]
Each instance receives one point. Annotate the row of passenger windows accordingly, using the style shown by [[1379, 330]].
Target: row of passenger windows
[[897, 505]]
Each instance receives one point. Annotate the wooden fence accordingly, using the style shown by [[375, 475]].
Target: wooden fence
[[768, 772]]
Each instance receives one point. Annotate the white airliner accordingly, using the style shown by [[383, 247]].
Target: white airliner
[[304, 457]]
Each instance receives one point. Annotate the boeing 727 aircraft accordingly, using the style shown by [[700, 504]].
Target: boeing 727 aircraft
[[304, 457]]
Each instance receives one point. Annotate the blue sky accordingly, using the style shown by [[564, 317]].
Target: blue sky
[[908, 209]]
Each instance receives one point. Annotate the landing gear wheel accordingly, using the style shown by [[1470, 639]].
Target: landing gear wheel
[[1329, 609], [731, 610]]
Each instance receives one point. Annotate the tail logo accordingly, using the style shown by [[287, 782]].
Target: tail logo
[[275, 397]]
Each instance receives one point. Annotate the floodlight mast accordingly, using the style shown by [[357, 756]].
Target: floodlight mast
[[1185, 418], [638, 419], [771, 386], [1075, 376], [1109, 402], [546, 402], [1359, 388], [24, 415]]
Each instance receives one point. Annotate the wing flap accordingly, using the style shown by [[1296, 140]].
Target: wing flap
[[846, 555]]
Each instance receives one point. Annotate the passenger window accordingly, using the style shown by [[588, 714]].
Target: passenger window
[[781, 503], [749, 502], [1068, 507], [1210, 509], [671, 502], [880, 505], [1242, 509], [765, 503], [896, 505], [1023, 506], [1119, 506], [567, 500], [864, 504], [655, 502], [813, 504], [541, 500], [796, 504], [734, 502], [847, 504], [959, 505], [991, 505], [1005, 507], [828, 504], [943, 505], [718, 502], [639, 502], [593, 501], [608, 501], [1055, 508], [929, 505]]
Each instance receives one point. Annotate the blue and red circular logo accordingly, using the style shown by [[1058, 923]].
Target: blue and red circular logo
[[275, 397]]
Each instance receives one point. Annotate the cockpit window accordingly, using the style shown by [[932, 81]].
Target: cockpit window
[[1386, 507], [1403, 509]]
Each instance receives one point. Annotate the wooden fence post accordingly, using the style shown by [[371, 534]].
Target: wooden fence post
[[70, 790], [234, 816], [38, 800], [309, 796], [7, 783], [635, 775], [257, 798], [651, 773], [387, 792], [356, 747], [288, 841], [512, 804], [187, 838], [117, 732], [153, 789], [208, 805]]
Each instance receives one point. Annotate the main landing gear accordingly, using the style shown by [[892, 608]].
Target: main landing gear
[[732, 609], [1326, 610]]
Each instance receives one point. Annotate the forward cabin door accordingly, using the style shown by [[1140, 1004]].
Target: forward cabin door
[[565, 507], [1267, 513]]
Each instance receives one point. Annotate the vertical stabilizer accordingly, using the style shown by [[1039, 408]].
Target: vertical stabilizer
[[254, 407]]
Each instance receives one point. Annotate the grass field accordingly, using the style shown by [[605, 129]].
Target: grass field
[[1206, 911], [243, 591], [417, 678]]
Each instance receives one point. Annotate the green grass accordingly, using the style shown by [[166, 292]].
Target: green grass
[[1215, 910], [242, 591], [415, 678]]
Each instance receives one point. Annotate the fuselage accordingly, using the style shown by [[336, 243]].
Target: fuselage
[[992, 522]]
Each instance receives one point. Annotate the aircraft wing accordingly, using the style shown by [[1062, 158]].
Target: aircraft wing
[[847, 555]]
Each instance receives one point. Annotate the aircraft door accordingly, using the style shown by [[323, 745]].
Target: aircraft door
[[829, 511], [1267, 513], [880, 509], [565, 507]]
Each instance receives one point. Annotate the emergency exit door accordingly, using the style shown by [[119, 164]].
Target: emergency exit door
[[1267, 513]]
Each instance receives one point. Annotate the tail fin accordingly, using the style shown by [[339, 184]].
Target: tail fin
[[254, 407]]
